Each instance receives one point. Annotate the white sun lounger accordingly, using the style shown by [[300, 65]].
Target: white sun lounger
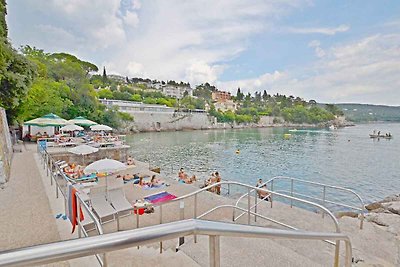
[[101, 207], [117, 199]]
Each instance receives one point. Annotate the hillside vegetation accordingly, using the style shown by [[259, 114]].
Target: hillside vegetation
[[366, 113]]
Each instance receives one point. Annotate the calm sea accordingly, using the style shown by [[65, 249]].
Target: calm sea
[[345, 157]]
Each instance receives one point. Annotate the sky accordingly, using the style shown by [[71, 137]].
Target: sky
[[334, 51]]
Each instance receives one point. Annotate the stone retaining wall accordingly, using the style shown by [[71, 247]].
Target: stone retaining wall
[[6, 151], [117, 153]]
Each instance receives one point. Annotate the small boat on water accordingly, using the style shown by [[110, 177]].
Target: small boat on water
[[332, 127], [381, 136]]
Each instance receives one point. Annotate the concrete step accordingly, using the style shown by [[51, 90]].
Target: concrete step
[[247, 252], [148, 256]]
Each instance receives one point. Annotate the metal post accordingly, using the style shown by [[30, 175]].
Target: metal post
[[118, 221], [181, 217], [79, 220], [337, 249], [105, 264], [229, 189], [291, 192], [214, 249], [248, 205], [195, 214], [161, 247], [362, 220], [51, 174], [272, 189], [323, 200], [255, 205], [56, 190]]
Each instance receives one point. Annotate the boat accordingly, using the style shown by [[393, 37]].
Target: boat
[[332, 127], [381, 136]]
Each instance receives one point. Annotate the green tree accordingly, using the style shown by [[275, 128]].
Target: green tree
[[105, 93], [16, 72], [45, 97]]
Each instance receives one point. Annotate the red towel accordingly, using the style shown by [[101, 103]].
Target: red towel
[[72, 211]]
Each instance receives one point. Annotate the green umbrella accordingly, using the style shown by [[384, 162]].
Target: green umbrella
[[82, 121], [47, 120]]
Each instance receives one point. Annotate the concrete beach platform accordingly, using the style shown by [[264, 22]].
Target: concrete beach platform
[[29, 206]]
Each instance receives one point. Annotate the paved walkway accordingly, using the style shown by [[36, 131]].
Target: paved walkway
[[25, 215]]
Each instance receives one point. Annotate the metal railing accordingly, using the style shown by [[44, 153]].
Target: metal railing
[[49, 162], [53, 170], [323, 200], [65, 250]]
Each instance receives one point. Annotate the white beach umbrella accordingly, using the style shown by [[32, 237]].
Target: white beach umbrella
[[105, 165], [101, 127], [71, 128], [83, 150]]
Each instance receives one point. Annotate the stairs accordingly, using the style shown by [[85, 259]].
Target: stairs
[[149, 256], [248, 252]]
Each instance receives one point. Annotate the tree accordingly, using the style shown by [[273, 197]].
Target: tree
[[265, 96], [239, 95], [104, 75], [16, 72]]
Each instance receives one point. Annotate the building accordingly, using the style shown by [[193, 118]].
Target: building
[[131, 106], [220, 96], [176, 91], [226, 105]]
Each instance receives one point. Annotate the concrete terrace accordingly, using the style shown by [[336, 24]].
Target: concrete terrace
[[28, 218]]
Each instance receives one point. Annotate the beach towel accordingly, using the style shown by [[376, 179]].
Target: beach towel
[[159, 197], [72, 213]]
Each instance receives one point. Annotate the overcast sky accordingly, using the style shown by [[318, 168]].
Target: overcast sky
[[331, 51]]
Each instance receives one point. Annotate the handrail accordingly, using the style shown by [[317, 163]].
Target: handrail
[[361, 209], [65, 250], [260, 189], [324, 186], [48, 159]]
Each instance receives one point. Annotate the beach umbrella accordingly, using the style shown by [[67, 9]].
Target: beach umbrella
[[106, 166], [100, 127], [47, 120], [71, 128], [82, 121], [83, 150]]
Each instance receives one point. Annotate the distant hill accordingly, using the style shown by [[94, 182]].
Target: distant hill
[[365, 112]]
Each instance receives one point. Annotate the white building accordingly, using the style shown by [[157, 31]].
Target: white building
[[131, 106], [176, 91]]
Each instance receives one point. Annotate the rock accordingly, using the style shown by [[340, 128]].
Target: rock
[[351, 214], [389, 220], [394, 207], [375, 219], [391, 198], [380, 210], [374, 206]]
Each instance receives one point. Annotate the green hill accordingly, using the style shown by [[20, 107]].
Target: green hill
[[366, 112]]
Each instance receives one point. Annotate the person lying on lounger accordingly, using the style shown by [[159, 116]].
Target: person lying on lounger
[[155, 182]]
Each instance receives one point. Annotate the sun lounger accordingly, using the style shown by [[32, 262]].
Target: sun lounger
[[117, 199], [104, 211]]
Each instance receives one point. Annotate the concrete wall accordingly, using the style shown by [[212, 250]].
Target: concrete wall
[[119, 153], [167, 121], [6, 150]]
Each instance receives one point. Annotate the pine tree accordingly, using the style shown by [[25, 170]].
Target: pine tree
[[104, 75], [239, 95]]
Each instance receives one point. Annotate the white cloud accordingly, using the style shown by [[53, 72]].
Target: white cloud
[[326, 31], [319, 52], [365, 71], [131, 19]]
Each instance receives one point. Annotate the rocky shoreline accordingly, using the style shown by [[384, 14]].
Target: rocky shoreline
[[386, 213]]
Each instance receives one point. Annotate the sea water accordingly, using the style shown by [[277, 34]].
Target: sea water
[[345, 157]]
